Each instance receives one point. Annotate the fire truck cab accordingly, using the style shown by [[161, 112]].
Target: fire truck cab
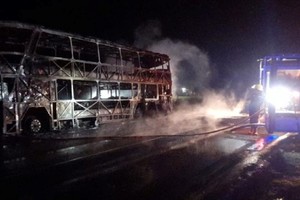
[[280, 77]]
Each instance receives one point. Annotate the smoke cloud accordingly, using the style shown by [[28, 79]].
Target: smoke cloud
[[147, 34], [189, 65]]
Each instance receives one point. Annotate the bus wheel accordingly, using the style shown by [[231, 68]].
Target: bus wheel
[[33, 125]]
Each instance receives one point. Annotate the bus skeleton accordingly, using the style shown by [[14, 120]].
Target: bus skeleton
[[52, 80]]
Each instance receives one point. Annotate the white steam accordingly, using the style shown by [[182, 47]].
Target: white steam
[[189, 65], [218, 105], [190, 68]]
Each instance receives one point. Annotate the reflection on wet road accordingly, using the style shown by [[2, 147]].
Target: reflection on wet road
[[144, 168]]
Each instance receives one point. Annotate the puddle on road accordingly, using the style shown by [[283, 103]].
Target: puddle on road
[[228, 145], [292, 158]]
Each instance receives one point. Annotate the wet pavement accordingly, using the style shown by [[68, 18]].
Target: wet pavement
[[198, 167], [274, 175]]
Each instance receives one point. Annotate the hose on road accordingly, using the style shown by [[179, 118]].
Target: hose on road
[[195, 132]]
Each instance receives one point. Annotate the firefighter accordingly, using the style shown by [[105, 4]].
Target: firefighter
[[256, 100]]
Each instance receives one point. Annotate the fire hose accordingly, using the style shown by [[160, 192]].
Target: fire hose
[[232, 127], [227, 128]]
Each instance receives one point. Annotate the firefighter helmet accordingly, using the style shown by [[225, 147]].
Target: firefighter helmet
[[257, 87]]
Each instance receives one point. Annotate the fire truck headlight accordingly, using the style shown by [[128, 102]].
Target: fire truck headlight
[[280, 96], [296, 94]]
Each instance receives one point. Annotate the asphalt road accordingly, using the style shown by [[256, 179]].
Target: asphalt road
[[77, 167]]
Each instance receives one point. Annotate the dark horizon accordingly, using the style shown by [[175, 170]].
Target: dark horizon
[[233, 35]]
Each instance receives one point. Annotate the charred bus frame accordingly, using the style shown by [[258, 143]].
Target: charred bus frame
[[52, 80]]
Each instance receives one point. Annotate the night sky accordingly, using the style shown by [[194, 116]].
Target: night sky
[[234, 34]]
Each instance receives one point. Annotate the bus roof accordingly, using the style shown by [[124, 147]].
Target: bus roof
[[151, 58]]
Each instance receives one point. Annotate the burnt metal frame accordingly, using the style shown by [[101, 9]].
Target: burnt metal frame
[[25, 48]]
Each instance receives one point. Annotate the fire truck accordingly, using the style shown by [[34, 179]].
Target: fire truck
[[280, 77], [53, 80]]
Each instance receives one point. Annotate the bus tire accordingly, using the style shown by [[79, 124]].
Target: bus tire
[[34, 125]]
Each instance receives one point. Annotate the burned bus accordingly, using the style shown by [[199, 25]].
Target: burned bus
[[53, 80], [280, 77]]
